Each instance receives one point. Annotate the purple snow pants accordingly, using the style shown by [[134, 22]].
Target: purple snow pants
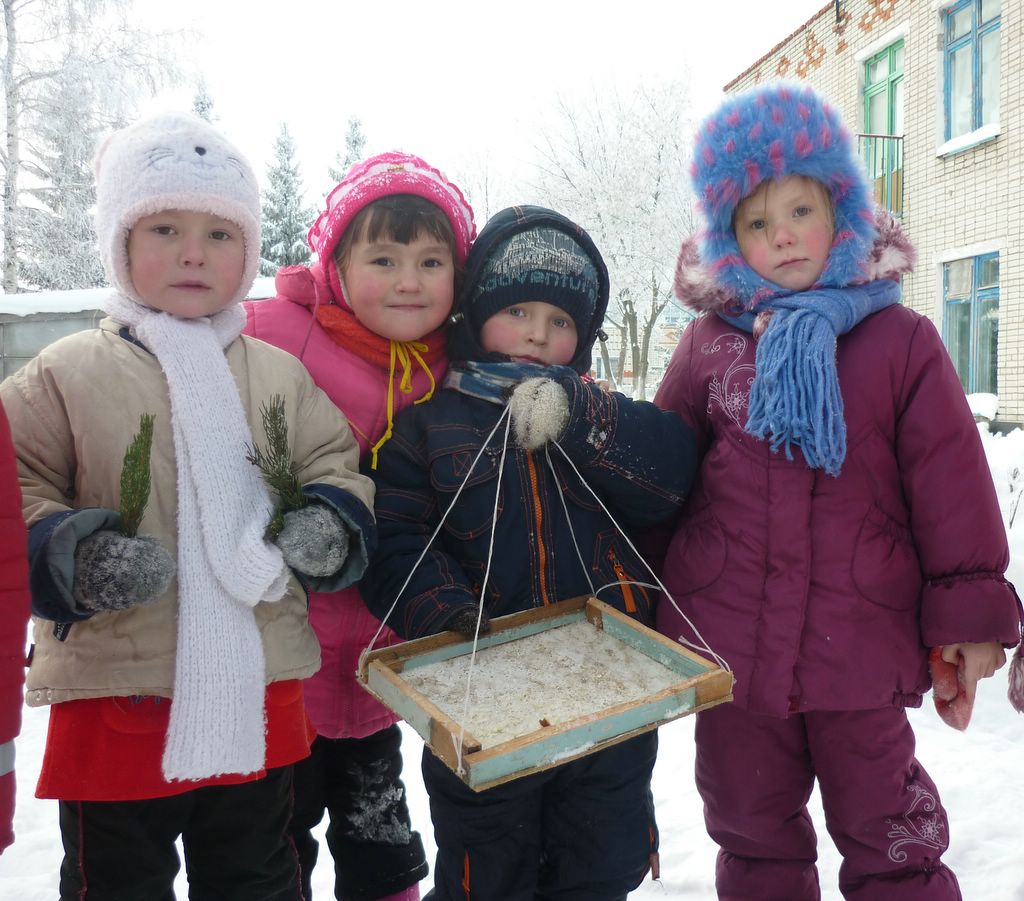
[[755, 774]]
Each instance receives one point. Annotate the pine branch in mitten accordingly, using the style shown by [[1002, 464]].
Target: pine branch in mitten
[[275, 462], [135, 477]]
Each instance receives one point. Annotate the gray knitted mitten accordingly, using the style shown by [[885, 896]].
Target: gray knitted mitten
[[314, 540], [540, 411], [464, 622], [115, 572]]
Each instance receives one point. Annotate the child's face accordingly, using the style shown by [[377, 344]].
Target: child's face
[[400, 291], [533, 332], [185, 263], [784, 229]]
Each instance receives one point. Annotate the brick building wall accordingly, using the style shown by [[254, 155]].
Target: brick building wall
[[958, 201]]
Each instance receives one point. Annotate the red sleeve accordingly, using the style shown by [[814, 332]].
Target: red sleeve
[[14, 615]]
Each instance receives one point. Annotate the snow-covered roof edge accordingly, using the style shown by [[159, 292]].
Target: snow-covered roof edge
[[89, 299]]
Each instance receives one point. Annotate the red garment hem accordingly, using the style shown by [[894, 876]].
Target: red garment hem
[[109, 749]]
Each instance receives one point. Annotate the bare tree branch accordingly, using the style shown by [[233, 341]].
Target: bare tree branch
[[617, 163]]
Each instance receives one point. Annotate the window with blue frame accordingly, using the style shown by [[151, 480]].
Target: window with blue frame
[[971, 59], [970, 289]]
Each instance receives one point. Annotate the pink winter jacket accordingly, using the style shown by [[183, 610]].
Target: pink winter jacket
[[337, 705], [826, 593]]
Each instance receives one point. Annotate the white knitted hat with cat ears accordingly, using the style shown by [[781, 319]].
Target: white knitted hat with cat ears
[[173, 161]]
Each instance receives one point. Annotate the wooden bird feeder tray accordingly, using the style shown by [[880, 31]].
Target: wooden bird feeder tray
[[548, 686]]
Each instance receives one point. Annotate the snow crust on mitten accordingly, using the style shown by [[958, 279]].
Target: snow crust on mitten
[[951, 701], [314, 540], [115, 572], [540, 411]]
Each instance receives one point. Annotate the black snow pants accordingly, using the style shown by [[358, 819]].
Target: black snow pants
[[235, 839], [358, 782]]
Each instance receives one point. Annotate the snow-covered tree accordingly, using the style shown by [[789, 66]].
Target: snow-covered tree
[[286, 219], [58, 241], [617, 164], [202, 103], [484, 187], [43, 44], [355, 144]]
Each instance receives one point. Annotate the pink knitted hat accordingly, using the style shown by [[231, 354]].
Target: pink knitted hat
[[385, 175]]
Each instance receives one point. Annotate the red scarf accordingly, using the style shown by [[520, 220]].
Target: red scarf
[[348, 332]]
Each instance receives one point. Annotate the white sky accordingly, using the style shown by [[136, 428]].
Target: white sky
[[462, 83]]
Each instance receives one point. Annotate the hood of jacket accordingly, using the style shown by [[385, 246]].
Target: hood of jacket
[[463, 342], [307, 286]]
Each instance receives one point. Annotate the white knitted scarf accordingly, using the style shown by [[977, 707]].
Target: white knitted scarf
[[225, 566]]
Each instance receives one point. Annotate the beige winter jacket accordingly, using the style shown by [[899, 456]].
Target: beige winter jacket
[[73, 410]]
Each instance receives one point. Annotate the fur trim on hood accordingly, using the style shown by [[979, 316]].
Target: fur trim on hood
[[695, 285]]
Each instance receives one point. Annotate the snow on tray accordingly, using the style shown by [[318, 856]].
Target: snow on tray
[[556, 675]]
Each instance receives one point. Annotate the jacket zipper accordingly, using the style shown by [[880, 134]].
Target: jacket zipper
[[538, 522], [620, 574]]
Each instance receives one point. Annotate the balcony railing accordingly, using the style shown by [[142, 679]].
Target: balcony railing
[[883, 157]]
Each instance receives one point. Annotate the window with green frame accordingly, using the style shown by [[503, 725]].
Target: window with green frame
[[971, 65], [882, 145], [970, 289]]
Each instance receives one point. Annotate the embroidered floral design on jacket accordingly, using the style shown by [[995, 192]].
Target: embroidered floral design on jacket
[[920, 825], [732, 392]]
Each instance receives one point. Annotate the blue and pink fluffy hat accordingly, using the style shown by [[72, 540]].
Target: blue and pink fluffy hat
[[773, 131]]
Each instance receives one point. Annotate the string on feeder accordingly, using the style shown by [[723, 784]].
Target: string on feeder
[[703, 646], [507, 420], [505, 417], [373, 641]]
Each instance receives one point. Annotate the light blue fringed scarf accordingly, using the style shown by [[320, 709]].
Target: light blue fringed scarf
[[795, 397]]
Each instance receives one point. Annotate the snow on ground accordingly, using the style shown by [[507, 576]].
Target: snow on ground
[[978, 774]]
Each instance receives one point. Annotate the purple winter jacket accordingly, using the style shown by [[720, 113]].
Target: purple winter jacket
[[826, 593]]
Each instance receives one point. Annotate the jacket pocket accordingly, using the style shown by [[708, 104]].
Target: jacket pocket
[[698, 553], [618, 566], [455, 470], [576, 492], [886, 570]]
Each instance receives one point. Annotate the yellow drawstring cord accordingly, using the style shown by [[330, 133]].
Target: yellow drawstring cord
[[403, 353]]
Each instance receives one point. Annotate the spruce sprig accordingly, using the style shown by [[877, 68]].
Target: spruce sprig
[[275, 462], [135, 477]]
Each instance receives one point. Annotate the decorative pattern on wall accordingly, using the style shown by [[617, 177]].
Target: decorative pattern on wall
[[878, 12], [813, 52], [839, 30]]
